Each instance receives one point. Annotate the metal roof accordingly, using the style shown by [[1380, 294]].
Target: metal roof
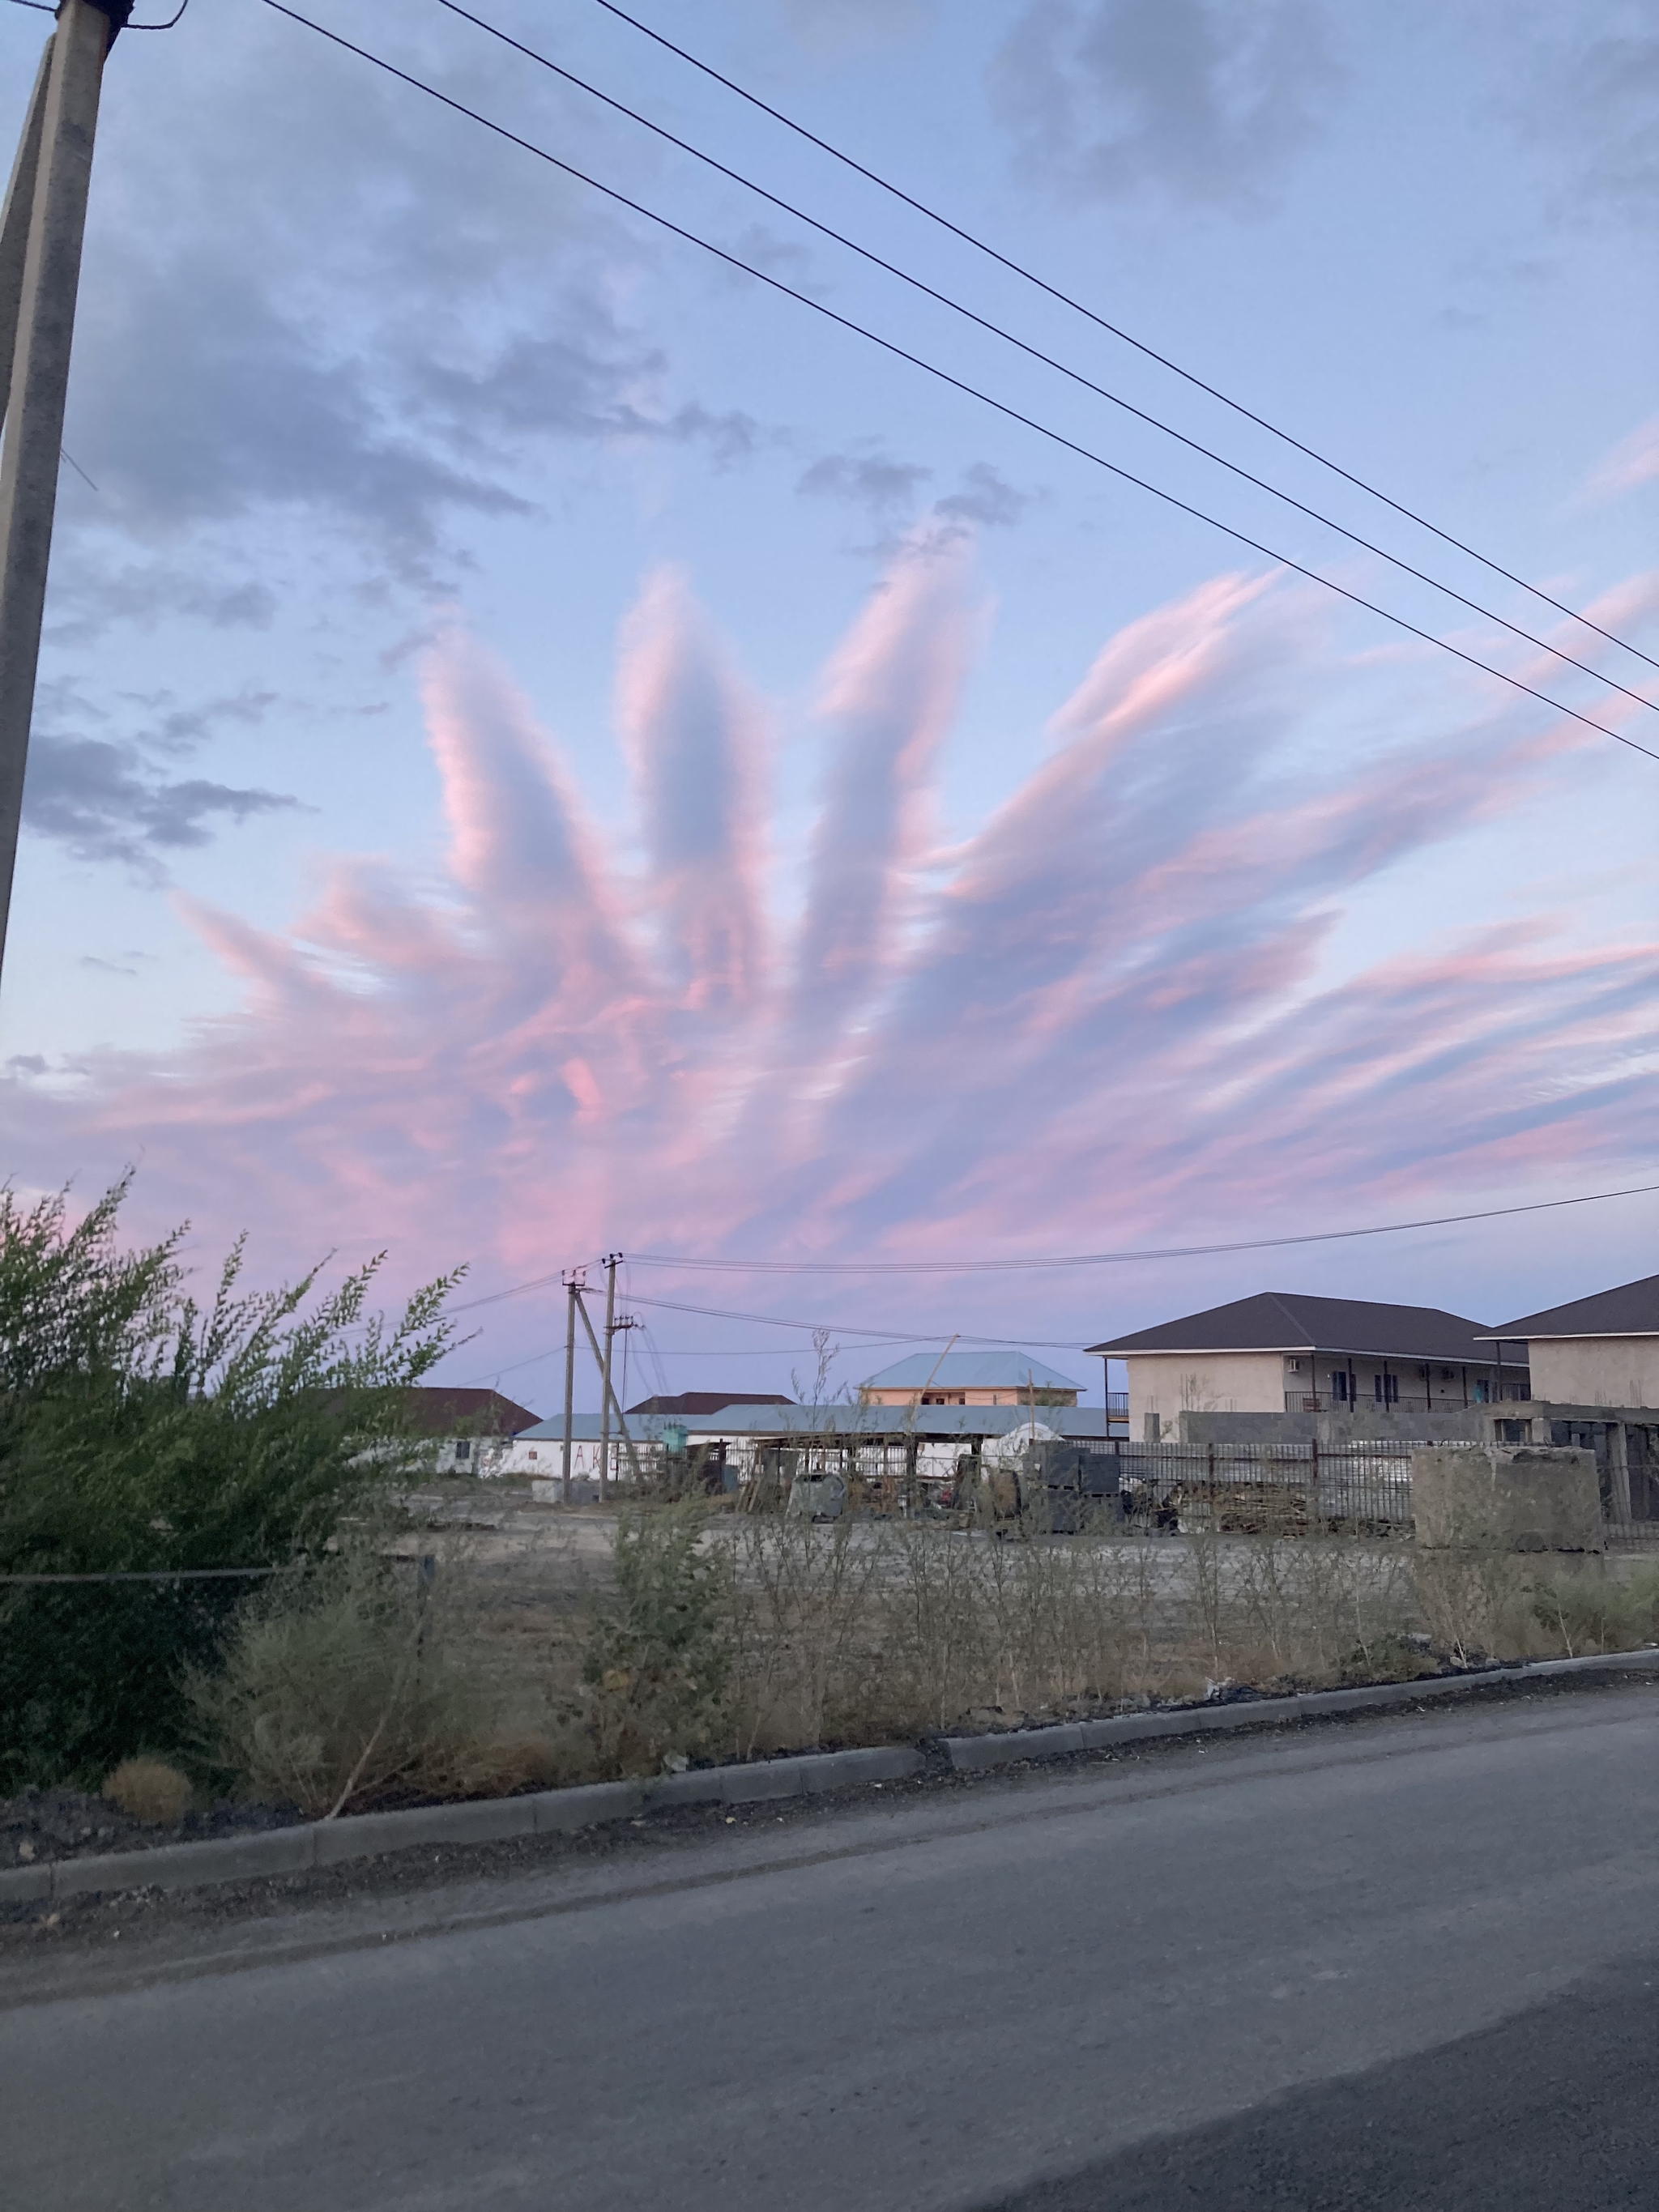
[[800, 1423], [584, 1430], [1283, 1321], [707, 1401], [1632, 1309], [969, 1370]]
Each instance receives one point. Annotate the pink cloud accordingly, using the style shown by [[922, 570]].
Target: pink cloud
[[1633, 461], [696, 737], [1098, 1019]]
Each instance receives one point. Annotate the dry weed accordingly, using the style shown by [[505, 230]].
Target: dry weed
[[150, 1790], [355, 1680]]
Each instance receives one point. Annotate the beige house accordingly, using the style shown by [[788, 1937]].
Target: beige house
[[969, 1378], [1278, 1353], [1598, 1351]]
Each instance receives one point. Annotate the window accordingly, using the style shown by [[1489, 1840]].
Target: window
[[1340, 1391], [1385, 1389], [1513, 1432], [1293, 1366], [1483, 1393], [462, 1449]]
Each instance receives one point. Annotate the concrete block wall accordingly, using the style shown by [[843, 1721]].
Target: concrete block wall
[[1521, 1497]]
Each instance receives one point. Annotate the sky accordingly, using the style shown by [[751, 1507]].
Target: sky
[[549, 744]]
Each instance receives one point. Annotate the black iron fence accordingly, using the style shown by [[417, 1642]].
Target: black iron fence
[[1296, 1489], [1242, 1489]]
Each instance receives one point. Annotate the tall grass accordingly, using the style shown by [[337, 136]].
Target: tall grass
[[358, 1683], [721, 1636]]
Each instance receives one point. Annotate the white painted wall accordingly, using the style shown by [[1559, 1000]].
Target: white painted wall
[[1169, 1384], [1597, 1371]]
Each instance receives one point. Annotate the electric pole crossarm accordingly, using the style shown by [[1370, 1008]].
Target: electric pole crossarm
[[15, 222], [39, 382]]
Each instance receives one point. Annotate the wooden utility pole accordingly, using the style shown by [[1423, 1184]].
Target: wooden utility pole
[[572, 1285], [41, 232]]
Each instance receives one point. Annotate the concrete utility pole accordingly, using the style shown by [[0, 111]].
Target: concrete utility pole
[[41, 236], [610, 1399], [610, 1260], [572, 1285]]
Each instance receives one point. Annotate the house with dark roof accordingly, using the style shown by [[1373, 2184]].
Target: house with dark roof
[[471, 1431], [1280, 1352], [1599, 1351], [681, 1403]]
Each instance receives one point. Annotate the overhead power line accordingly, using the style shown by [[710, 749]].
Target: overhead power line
[[959, 384], [1115, 329], [1121, 1259], [1049, 361], [849, 1328], [1020, 1265]]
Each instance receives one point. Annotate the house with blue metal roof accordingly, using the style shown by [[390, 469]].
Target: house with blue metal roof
[[969, 1378]]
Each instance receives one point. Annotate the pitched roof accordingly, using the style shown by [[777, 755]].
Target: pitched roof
[[1283, 1321], [710, 1402], [796, 1424], [437, 1410], [969, 1371], [1632, 1309]]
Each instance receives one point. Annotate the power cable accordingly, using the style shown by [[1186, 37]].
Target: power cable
[[1118, 1259], [883, 1336], [65, 450], [1036, 353], [1116, 331], [1061, 1260], [958, 384]]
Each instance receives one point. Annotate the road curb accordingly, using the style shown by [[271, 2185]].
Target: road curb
[[562, 1812], [478, 1820], [973, 1753]]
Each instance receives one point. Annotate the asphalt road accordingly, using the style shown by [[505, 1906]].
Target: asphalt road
[[1411, 1964]]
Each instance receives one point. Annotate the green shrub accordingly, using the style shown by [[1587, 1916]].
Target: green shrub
[[143, 1433], [657, 1672]]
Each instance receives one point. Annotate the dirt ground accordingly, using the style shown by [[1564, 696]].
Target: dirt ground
[[69, 1824]]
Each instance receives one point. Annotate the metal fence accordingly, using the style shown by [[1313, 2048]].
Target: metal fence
[[1300, 1489], [1252, 1489]]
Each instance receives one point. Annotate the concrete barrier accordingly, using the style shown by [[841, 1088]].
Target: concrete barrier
[[1012, 1746], [1507, 1497]]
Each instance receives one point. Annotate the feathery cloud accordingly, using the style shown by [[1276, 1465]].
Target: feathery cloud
[[1109, 1004]]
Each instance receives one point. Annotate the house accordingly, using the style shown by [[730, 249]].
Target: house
[[1279, 1353], [472, 1429], [698, 1403], [1599, 1351], [969, 1378]]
